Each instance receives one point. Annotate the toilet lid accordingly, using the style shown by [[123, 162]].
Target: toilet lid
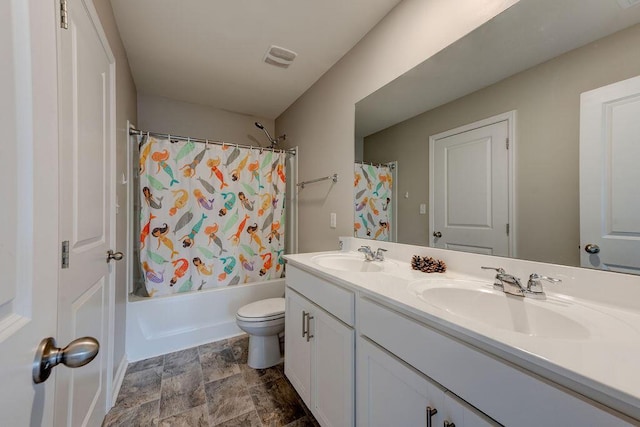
[[270, 307]]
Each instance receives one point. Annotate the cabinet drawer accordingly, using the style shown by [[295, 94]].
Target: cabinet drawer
[[334, 299], [503, 391]]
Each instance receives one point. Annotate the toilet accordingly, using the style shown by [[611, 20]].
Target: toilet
[[263, 321]]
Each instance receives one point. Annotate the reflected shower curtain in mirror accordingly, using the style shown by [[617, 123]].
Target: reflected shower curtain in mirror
[[373, 186], [210, 215]]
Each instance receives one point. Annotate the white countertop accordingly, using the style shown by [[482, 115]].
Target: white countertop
[[603, 367]]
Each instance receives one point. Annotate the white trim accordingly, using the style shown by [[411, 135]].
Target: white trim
[[394, 201], [117, 381], [130, 214], [510, 118]]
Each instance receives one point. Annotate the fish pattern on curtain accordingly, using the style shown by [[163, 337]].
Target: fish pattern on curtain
[[211, 215], [373, 186]]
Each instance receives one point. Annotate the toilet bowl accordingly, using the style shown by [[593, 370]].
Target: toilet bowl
[[263, 321]]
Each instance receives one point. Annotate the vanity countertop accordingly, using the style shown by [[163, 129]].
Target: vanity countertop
[[601, 364]]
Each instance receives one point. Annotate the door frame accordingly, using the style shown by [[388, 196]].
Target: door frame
[[510, 118], [97, 23]]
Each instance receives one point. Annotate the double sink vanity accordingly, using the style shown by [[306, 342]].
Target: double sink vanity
[[375, 343]]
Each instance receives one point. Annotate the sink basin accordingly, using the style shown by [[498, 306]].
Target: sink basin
[[348, 262], [479, 302]]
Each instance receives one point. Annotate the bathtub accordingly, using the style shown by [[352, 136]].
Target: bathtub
[[162, 325]]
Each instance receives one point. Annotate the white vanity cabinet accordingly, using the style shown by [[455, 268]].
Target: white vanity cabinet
[[319, 347], [497, 388], [390, 392]]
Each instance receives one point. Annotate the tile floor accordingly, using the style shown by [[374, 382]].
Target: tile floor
[[209, 385]]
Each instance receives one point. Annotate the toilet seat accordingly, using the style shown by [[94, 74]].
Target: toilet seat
[[262, 311]]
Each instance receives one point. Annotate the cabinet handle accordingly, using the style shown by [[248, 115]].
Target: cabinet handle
[[448, 424], [430, 413], [304, 324], [309, 317]]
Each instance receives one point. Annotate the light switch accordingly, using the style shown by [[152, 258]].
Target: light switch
[[406, 195], [423, 208], [332, 221]]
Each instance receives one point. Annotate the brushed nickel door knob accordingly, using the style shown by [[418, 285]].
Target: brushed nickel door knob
[[592, 249], [78, 353], [111, 255]]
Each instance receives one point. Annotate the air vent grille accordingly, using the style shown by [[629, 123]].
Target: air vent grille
[[279, 56]]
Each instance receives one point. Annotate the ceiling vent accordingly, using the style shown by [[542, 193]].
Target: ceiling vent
[[279, 56]]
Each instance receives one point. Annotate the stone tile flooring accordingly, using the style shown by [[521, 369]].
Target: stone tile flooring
[[209, 385]]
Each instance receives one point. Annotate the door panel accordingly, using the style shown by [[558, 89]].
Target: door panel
[[333, 370], [390, 393], [609, 176], [28, 206], [470, 189], [297, 354], [86, 210]]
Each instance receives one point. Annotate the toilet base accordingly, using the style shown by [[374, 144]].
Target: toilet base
[[264, 351]]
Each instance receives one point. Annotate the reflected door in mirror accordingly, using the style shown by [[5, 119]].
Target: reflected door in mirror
[[609, 177]]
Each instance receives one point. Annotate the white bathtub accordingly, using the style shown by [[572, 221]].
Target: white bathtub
[[161, 325]]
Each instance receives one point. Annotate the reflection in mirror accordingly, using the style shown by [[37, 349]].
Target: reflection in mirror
[[527, 71], [375, 201]]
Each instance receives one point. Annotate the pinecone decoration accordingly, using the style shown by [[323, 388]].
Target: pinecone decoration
[[428, 264]]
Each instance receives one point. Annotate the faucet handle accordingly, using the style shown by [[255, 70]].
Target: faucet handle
[[534, 285], [500, 270], [364, 248], [380, 254]]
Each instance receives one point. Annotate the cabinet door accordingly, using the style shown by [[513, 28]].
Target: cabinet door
[[297, 350], [332, 378], [390, 393], [461, 414]]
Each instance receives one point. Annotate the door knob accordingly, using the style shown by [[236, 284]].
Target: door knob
[[437, 234], [592, 249], [78, 353], [111, 255]]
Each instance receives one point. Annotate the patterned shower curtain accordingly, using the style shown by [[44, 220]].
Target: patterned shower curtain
[[210, 215], [373, 186]]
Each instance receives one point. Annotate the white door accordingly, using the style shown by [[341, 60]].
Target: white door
[[297, 349], [86, 76], [469, 189], [28, 206], [332, 362], [609, 177]]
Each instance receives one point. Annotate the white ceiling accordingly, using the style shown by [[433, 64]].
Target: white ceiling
[[211, 52], [527, 34]]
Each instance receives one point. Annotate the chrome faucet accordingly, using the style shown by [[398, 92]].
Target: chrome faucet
[[511, 284], [507, 283], [370, 256]]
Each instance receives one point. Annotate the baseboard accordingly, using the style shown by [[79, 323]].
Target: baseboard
[[117, 381]]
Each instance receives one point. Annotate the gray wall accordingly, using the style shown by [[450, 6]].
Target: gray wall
[[125, 110], [321, 121], [165, 115], [547, 100]]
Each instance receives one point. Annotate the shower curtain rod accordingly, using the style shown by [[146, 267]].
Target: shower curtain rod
[[390, 165], [208, 141]]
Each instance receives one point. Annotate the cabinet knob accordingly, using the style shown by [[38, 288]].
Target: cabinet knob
[[430, 413]]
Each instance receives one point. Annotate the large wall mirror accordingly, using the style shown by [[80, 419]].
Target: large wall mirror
[[521, 139]]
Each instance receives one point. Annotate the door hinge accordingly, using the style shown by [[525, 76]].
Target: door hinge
[[507, 143], [64, 16], [64, 262], [507, 229]]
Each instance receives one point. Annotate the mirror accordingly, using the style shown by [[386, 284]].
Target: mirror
[[517, 79]]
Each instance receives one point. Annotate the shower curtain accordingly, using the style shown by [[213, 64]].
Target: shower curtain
[[210, 215], [373, 186]]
